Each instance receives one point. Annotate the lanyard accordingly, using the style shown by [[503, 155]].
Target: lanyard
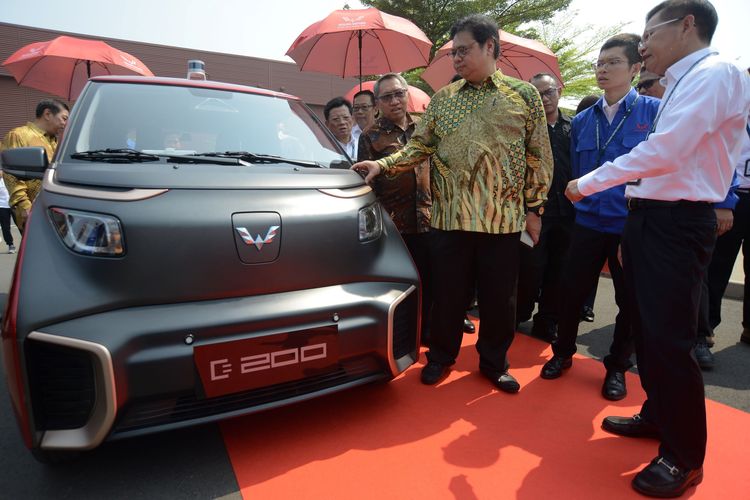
[[602, 149], [671, 91]]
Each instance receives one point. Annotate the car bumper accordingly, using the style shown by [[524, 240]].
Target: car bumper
[[133, 371]]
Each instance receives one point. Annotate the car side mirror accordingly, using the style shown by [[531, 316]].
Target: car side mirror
[[25, 163]]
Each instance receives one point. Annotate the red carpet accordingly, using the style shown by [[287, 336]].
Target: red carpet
[[462, 439]]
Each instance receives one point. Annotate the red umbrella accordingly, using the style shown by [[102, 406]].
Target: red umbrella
[[63, 65], [418, 98], [519, 57], [360, 42]]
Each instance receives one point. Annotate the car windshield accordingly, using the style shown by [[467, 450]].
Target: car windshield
[[168, 121]]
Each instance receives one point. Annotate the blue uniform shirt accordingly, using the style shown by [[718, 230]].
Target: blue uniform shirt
[[606, 211]]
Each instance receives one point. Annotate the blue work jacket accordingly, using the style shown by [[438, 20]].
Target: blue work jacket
[[606, 211]]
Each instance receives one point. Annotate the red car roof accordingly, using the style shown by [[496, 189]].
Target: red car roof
[[184, 82]]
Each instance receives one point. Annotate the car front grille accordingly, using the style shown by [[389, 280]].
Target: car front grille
[[405, 326], [186, 408], [62, 385]]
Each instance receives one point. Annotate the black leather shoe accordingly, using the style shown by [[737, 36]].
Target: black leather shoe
[[587, 314], [503, 381], [433, 372], [704, 356], [544, 330], [555, 366], [614, 387], [469, 326], [745, 337], [664, 480], [633, 426]]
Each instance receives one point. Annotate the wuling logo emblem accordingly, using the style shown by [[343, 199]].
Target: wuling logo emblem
[[258, 241]]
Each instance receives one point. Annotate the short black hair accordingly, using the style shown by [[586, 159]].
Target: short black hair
[[336, 102], [542, 75], [54, 105], [586, 102], [368, 93], [629, 42], [703, 11], [482, 28]]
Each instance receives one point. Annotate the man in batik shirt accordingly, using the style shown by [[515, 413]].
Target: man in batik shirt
[[405, 196], [491, 170], [51, 117]]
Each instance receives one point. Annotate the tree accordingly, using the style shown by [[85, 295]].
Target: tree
[[435, 17], [575, 46]]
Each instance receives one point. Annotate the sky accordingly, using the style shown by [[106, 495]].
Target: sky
[[267, 28]]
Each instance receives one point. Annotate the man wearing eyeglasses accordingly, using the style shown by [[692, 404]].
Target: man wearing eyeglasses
[[491, 168], [610, 128], [684, 167], [541, 267], [364, 111], [405, 197]]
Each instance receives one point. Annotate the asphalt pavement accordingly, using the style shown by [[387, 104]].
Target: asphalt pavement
[[193, 463]]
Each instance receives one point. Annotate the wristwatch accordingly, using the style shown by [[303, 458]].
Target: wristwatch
[[538, 210]]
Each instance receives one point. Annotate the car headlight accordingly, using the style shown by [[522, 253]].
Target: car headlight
[[89, 233], [370, 223]]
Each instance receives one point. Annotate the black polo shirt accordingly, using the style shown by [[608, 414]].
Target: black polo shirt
[[559, 137]]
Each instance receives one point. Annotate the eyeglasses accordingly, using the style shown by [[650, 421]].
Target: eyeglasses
[[646, 84], [361, 107], [398, 94], [462, 51], [606, 64], [549, 93], [647, 34]]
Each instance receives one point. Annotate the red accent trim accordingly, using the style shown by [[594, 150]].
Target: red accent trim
[[11, 353], [184, 82]]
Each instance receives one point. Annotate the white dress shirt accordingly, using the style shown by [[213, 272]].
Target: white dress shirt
[[351, 146], [611, 111], [356, 131], [696, 145]]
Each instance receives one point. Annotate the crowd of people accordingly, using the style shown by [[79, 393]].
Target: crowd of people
[[643, 179], [650, 180]]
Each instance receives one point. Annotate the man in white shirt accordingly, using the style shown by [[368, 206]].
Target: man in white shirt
[[338, 114], [5, 215], [676, 175]]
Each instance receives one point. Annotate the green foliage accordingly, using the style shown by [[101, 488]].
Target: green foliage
[[435, 17], [576, 47], [548, 21]]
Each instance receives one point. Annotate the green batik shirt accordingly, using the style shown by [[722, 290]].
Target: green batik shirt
[[490, 151]]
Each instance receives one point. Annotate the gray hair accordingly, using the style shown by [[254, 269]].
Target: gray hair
[[388, 76]]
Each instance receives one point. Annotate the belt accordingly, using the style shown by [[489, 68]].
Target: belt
[[643, 203]]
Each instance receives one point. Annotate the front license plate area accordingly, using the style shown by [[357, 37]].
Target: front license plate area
[[242, 365]]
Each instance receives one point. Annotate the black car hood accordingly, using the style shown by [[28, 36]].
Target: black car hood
[[188, 176]]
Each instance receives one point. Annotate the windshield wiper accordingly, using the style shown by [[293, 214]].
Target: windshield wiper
[[261, 158], [124, 155]]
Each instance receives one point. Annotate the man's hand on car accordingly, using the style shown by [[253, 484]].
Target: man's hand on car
[[368, 169]]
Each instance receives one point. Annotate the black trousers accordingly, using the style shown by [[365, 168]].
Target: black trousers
[[589, 249], [541, 268], [459, 260], [5, 224], [419, 248], [666, 252], [722, 262]]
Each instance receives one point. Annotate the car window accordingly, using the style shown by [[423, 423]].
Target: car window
[[184, 120]]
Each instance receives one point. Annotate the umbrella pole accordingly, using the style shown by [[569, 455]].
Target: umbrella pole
[[359, 36], [88, 69]]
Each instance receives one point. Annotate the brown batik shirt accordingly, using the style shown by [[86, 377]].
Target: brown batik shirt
[[405, 195]]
